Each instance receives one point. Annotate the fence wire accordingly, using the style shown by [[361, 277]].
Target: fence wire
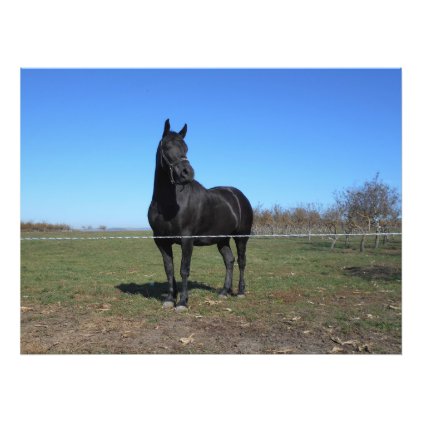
[[256, 236]]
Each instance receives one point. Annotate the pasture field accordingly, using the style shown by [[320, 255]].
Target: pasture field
[[104, 296]]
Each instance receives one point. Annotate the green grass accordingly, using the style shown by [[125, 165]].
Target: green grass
[[284, 277]]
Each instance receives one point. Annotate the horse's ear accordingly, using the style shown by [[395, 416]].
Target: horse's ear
[[166, 128], [182, 133]]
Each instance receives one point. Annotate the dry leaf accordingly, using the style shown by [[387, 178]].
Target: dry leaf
[[105, 307], [212, 302], [26, 308], [396, 308], [352, 342], [187, 340], [283, 351], [344, 343], [363, 348], [336, 349], [227, 309]]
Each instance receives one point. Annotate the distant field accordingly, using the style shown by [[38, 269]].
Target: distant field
[[104, 296]]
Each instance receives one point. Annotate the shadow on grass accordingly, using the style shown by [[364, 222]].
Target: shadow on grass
[[158, 290], [352, 246], [325, 245], [376, 272]]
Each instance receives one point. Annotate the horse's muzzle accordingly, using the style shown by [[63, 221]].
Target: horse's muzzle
[[184, 173]]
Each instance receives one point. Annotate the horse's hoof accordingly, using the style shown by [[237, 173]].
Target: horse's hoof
[[181, 308], [168, 304], [224, 294]]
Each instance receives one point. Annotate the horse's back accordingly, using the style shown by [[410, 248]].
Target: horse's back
[[240, 206]]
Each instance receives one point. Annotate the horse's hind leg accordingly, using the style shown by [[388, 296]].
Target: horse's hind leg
[[241, 260], [226, 253]]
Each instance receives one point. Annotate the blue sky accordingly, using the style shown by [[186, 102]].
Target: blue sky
[[285, 136]]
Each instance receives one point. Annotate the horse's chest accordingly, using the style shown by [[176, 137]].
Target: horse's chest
[[165, 219]]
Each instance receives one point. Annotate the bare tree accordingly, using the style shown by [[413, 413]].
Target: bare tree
[[263, 222], [332, 220], [365, 207], [313, 217], [298, 218]]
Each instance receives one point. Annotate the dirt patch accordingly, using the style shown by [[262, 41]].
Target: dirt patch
[[375, 272], [287, 296], [59, 330]]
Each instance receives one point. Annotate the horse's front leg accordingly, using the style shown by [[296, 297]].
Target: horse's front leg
[[167, 253], [187, 247]]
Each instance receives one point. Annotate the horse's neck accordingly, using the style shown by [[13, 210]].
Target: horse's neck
[[167, 193], [163, 188]]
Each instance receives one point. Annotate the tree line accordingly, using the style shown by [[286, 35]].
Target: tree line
[[29, 226], [374, 207]]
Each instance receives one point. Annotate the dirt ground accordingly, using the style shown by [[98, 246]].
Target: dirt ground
[[56, 330]]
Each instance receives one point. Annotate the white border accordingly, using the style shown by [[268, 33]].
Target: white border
[[208, 34]]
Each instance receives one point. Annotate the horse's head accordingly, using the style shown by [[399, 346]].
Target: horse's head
[[172, 155]]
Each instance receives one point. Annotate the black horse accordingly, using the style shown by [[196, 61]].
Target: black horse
[[181, 206]]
